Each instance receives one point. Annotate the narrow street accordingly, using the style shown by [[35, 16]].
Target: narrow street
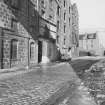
[[46, 85]]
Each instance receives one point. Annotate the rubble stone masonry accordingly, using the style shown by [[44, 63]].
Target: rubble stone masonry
[[17, 23]]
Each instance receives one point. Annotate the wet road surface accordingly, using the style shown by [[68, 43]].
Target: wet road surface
[[57, 85]]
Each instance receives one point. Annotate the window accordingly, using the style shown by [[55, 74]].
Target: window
[[57, 39], [69, 20], [64, 41], [69, 10], [57, 25], [43, 3], [32, 50], [64, 3], [43, 13], [15, 3], [58, 10], [64, 16], [14, 45], [64, 28], [14, 24], [50, 16]]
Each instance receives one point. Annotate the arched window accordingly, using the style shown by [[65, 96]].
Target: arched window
[[14, 45], [32, 50]]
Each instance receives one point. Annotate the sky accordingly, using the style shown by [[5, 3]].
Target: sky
[[91, 14]]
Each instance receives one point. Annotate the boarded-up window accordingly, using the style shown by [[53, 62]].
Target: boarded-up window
[[32, 50], [14, 44]]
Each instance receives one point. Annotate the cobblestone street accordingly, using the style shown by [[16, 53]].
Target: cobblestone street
[[34, 87], [56, 84]]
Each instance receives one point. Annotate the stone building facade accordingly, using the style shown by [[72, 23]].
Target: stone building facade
[[90, 44], [68, 28], [27, 32], [32, 31], [64, 26], [18, 33], [75, 31], [47, 29]]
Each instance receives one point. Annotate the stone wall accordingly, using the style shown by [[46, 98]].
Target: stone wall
[[68, 26], [25, 30]]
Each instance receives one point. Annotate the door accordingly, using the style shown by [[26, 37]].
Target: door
[[39, 51]]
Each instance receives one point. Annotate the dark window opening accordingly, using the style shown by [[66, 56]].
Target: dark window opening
[[58, 10], [42, 13], [64, 16], [32, 50], [14, 24], [64, 28], [57, 25], [69, 21], [69, 10], [64, 41], [57, 39], [14, 45], [64, 3]]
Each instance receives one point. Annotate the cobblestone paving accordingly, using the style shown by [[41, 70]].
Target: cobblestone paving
[[25, 91], [36, 87], [33, 88]]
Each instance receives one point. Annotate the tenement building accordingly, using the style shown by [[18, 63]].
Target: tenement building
[[75, 31], [32, 31], [47, 30], [18, 33], [67, 28], [64, 26], [27, 32]]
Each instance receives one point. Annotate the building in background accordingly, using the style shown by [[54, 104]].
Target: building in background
[[90, 44]]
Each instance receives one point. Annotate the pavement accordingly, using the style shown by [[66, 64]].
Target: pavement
[[55, 84], [89, 58]]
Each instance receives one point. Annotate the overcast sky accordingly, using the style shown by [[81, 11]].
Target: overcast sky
[[91, 14]]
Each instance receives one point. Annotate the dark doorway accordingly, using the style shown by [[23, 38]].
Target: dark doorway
[[39, 51]]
